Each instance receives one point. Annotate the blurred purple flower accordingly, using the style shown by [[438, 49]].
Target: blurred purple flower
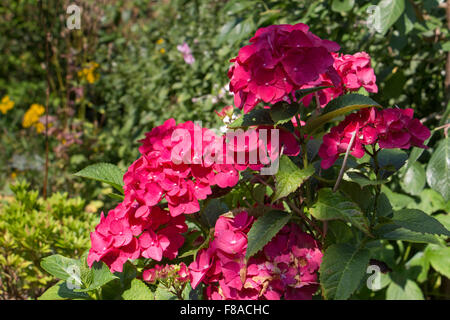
[[187, 54]]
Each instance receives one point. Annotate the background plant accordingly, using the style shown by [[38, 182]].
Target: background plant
[[33, 228]]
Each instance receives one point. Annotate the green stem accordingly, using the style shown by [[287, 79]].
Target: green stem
[[407, 251], [377, 190]]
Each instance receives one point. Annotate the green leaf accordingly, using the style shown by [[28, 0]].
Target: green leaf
[[104, 172], [418, 221], [444, 219], [398, 200], [334, 205], [61, 267], [390, 231], [338, 232], [253, 118], [290, 177], [361, 196], [138, 291], [342, 5], [430, 201], [363, 92], [438, 169], [116, 196], [99, 276], [405, 290], [162, 293], [338, 107], [446, 46], [299, 94], [192, 294], [264, 229], [439, 258], [363, 180], [390, 161], [113, 290], [282, 111], [343, 266], [418, 267], [390, 11], [60, 291], [413, 181], [384, 208], [259, 193], [214, 208]]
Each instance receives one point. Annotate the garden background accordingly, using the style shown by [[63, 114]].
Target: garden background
[[102, 87]]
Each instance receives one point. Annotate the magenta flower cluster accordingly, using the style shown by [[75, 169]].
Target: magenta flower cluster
[[285, 268], [354, 71], [138, 227], [156, 175], [126, 233], [390, 128], [279, 60]]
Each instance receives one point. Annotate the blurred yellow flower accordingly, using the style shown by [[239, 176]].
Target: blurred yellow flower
[[88, 73], [13, 175], [31, 117], [162, 50], [39, 127], [160, 41], [6, 104]]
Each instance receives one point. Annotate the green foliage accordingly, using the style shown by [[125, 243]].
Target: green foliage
[[331, 206], [264, 229], [338, 107], [404, 290], [138, 291], [60, 291], [390, 161], [418, 221], [60, 266], [33, 228], [104, 172], [289, 177], [342, 268], [413, 180], [438, 169], [390, 11]]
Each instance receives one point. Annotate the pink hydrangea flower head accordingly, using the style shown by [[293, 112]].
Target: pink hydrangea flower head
[[353, 71], [129, 232], [175, 165], [279, 60], [390, 128], [285, 268]]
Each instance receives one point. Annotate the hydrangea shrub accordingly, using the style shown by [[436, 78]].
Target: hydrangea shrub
[[284, 205]]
